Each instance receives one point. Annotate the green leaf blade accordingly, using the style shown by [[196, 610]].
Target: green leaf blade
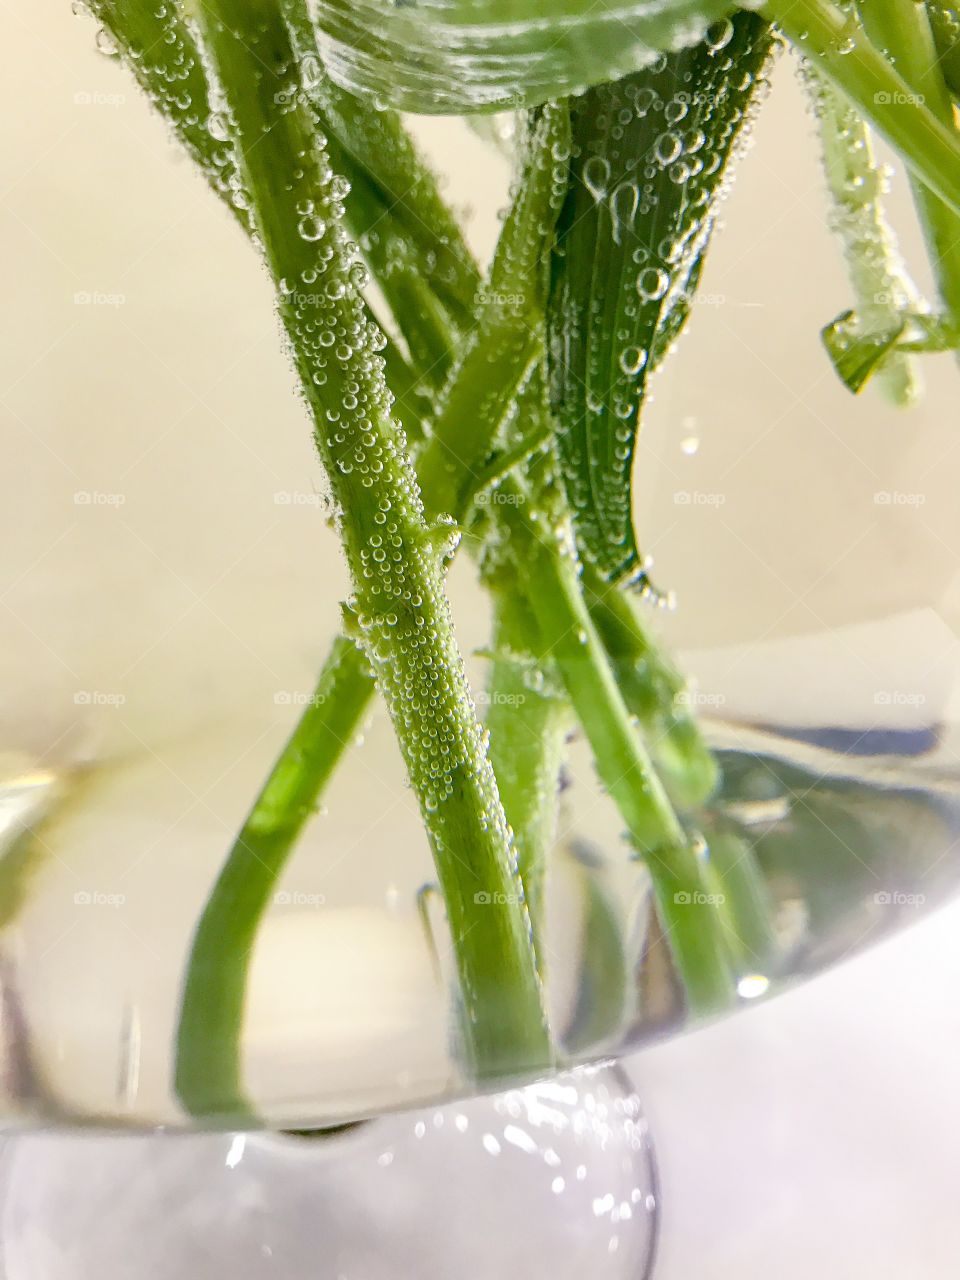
[[650, 156], [456, 56]]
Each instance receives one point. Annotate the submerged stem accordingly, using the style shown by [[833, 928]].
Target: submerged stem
[[528, 723], [568, 637], [653, 690], [208, 1063]]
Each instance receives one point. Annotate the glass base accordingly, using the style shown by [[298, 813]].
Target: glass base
[[556, 1179]]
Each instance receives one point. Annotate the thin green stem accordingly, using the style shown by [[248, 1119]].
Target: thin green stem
[[528, 722], [836, 43], [883, 292], [569, 638], [508, 337], [653, 690], [208, 1065], [748, 908], [901, 29], [401, 614]]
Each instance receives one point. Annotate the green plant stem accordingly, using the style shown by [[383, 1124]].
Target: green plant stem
[[528, 722], [836, 43], [882, 291], [748, 908], [380, 215], [208, 1064], [568, 637], [654, 691], [901, 29], [508, 337], [400, 613]]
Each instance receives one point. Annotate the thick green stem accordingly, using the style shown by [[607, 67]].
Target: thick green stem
[[528, 724], [399, 609], [901, 29], [836, 43], [569, 638], [208, 1066]]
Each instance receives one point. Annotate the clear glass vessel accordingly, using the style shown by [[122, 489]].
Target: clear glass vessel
[[168, 590]]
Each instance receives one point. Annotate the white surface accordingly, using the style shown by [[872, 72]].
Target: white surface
[[819, 1135]]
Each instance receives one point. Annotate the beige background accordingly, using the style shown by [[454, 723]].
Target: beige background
[[179, 401]]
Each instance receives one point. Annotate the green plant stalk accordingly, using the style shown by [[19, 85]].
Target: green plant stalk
[[945, 23], [405, 270], [399, 611], [653, 690], [508, 337], [568, 637], [748, 906], [208, 1064], [836, 43], [528, 724], [882, 290], [901, 29]]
